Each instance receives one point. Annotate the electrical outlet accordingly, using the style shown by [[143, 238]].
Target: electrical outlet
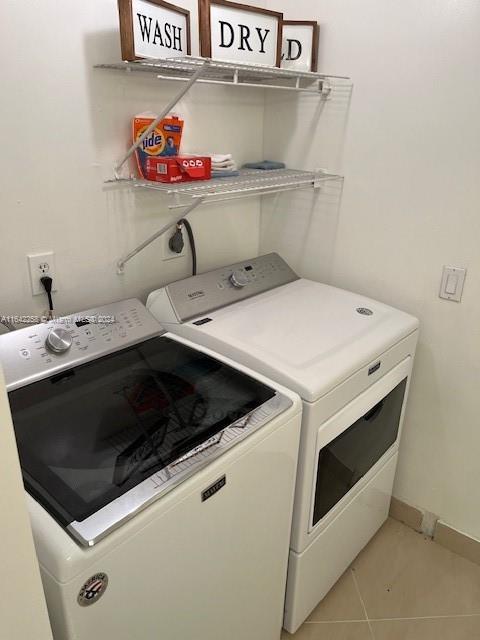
[[168, 254], [41, 264]]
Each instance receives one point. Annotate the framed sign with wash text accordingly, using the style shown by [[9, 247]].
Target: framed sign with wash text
[[300, 45], [153, 29], [240, 33]]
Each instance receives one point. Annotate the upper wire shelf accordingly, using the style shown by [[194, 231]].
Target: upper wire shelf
[[230, 73], [250, 182]]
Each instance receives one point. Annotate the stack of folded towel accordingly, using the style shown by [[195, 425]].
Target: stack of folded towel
[[223, 166]]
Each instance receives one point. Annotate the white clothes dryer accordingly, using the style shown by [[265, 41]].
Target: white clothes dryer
[[350, 359]]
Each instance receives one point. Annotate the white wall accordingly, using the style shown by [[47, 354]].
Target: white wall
[[64, 124], [23, 612], [410, 205]]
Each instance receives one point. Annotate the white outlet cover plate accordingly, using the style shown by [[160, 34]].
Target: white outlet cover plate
[[35, 261]]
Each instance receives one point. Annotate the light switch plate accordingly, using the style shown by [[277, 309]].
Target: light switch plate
[[453, 279]]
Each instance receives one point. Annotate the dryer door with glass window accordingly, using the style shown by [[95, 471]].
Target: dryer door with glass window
[[353, 442]]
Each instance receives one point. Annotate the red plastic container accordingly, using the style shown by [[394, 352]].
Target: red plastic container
[[178, 169]]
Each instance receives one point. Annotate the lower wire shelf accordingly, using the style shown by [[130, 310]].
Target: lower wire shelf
[[250, 182], [187, 196]]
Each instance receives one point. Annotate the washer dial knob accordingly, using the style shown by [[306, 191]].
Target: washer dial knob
[[239, 279], [58, 340]]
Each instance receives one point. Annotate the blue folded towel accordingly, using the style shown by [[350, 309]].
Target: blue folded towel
[[265, 165], [225, 174]]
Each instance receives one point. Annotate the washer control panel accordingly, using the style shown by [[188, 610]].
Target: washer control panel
[[196, 296], [41, 350]]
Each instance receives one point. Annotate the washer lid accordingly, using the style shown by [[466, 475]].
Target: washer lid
[[103, 440], [306, 335]]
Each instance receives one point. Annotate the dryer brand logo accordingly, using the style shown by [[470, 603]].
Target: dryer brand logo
[[364, 311], [196, 294], [93, 589]]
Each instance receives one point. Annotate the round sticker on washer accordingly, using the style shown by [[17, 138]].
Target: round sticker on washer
[[93, 589]]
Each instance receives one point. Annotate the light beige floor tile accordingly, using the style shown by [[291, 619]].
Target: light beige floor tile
[[467, 628], [402, 574], [341, 603], [331, 631]]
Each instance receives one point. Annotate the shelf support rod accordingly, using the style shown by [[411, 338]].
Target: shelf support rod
[[165, 112], [123, 261]]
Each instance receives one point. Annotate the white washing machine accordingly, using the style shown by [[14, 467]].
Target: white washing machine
[[350, 359], [160, 479]]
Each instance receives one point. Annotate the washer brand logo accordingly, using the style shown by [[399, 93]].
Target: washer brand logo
[[196, 294], [93, 589], [214, 488]]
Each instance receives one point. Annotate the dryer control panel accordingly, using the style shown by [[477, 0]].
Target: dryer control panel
[[198, 295]]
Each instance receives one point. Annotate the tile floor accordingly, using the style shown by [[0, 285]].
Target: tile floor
[[403, 586]]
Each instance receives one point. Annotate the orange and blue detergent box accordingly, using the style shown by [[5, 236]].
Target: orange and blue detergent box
[[163, 141]]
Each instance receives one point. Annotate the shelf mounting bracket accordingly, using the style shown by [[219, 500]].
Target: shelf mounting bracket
[[162, 115], [325, 89], [319, 174], [123, 261]]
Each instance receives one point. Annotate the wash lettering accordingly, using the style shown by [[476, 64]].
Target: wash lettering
[[158, 31], [154, 32]]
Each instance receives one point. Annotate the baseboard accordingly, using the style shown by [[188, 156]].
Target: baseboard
[[458, 542], [442, 533], [403, 512]]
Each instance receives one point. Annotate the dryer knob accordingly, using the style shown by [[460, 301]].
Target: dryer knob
[[58, 340], [239, 279]]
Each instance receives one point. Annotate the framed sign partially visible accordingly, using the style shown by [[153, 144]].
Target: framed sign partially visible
[[240, 33], [153, 29], [300, 45]]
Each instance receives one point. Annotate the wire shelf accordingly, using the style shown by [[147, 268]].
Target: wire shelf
[[250, 182], [229, 73], [189, 70]]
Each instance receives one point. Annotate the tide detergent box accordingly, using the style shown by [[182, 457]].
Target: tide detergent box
[[179, 169], [163, 141]]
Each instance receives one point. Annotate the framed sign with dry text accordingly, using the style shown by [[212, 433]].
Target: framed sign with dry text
[[300, 45], [240, 33], [153, 29]]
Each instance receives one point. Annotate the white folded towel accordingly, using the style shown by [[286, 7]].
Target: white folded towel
[[220, 158], [229, 165], [232, 167]]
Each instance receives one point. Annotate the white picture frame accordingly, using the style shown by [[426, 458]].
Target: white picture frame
[[300, 45], [152, 29], [240, 33]]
